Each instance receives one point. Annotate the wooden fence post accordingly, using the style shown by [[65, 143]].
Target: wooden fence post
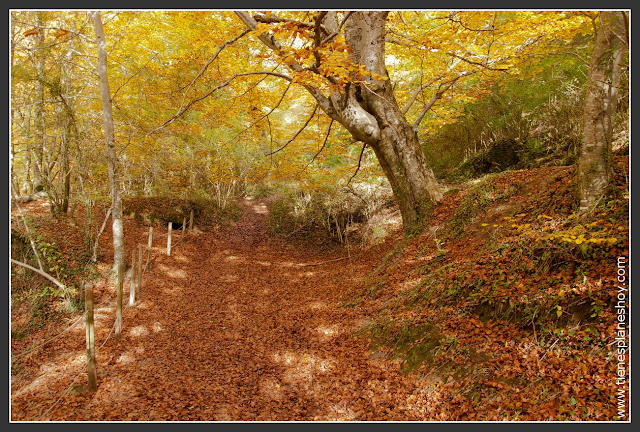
[[169, 239], [191, 220], [148, 265], [184, 226], [91, 350], [140, 255], [132, 290]]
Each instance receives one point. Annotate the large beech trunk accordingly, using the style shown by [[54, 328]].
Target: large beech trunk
[[375, 118], [594, 165], [367, 108]]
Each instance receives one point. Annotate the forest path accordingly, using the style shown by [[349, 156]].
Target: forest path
[[234, 326]]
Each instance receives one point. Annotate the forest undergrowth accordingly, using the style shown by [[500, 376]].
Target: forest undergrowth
[[502, 308]]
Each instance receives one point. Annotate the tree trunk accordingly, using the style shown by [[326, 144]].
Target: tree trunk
[[367, 108], [594, 164], [373, 116], [114, 170], [40, 127]]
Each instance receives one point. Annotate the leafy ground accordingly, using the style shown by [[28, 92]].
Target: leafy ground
[[502, 309]]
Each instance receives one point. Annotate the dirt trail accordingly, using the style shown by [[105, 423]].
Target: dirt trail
[[233, 327]]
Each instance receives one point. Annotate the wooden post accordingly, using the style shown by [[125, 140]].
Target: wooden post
[[184, 226], [132, 290], [91, 350], [191, 220], [140, 255], [169, 239], [148, 265]]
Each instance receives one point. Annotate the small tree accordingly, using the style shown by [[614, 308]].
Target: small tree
[[114, 169]]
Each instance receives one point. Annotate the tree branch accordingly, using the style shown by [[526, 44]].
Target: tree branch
[[326, 137], [40, 272], [263, 116], [364, 146], [337, 32], [313, 113], [271, 42], [437, 95], [475, 63], [94, 255], [211, 60], [186, 108]]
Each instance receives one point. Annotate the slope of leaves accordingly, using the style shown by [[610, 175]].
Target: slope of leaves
[[501, 323], [516, 318]]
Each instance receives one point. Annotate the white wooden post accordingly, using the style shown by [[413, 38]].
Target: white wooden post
[[169, 239], [132, 290], [140, 255], [118, 326], [149, 244]]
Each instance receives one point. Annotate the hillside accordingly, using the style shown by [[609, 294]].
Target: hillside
[[482, 316]]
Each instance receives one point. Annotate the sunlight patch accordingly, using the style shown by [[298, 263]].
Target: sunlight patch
[[139, 331], [177, 273], [302, 366], [327, 331], [412, 283], [270, 387], [316, 305], [229, 278], [341, 412], [124, 359], [260, 209]]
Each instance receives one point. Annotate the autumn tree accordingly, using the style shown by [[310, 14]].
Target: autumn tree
[[364, 103], [341, 59], [601, 100], [114, 168]]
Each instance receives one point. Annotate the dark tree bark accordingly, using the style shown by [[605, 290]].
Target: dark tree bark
[[594, 165], [369, 111]]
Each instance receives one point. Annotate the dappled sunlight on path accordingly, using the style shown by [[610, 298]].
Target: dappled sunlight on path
[[235, 326]]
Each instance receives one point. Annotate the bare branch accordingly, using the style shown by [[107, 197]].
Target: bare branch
[[337, 32], [324, 143], [40, 272], [442, 89], [313, 113], [222, 85], [131, 77], [94, 255], [211, 60], [263, 116], [364, 146], [459, 21], [475, 63]]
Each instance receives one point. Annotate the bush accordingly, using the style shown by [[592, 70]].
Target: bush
[[342, 214]]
